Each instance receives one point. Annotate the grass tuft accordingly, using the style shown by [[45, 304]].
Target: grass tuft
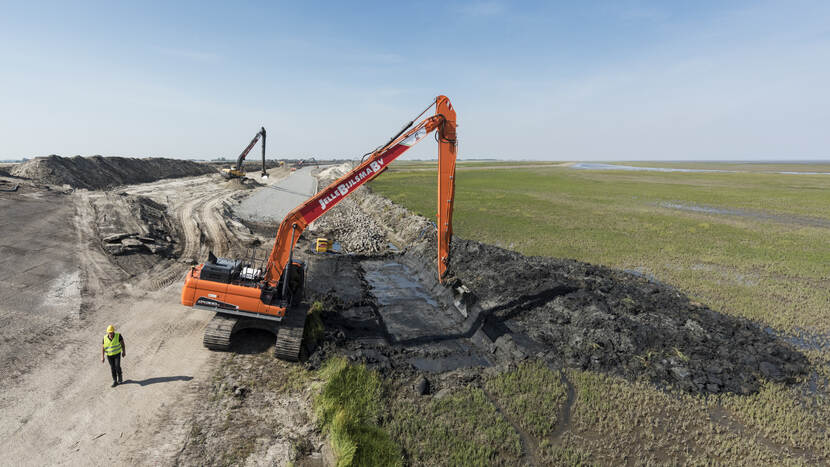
[[531, 394], [314, 328], [462, 428], [349, 406]]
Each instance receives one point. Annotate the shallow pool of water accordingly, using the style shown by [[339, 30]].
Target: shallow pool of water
[[597, 166]]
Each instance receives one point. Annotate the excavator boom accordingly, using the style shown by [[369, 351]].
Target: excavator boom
[[444, 121]]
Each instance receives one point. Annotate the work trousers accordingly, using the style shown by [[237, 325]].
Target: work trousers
[[115, 366]]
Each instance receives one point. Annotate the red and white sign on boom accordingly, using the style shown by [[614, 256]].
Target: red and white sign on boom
[[334, 194]]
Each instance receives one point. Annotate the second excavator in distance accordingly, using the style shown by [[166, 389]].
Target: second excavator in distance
[[246, 296], [238, 171]]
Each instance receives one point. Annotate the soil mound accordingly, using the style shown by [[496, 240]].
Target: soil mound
[[98, 172], [579, 315], [330, 174], [591, 317]]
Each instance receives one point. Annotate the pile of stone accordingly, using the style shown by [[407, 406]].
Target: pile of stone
[[356, 232], [347, 223]]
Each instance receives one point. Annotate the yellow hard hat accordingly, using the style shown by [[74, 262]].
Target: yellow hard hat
[[110, 328]]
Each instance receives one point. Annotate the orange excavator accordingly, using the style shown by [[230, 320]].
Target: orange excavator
[[270, 298], [237, 171]]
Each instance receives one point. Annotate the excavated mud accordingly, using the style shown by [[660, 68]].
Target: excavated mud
[[591, 317], [502, 307], [98, 172]]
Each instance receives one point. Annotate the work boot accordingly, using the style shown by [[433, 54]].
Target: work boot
[[114, 384]]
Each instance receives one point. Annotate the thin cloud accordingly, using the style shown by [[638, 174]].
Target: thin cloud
[[192, 55], [375, 58]]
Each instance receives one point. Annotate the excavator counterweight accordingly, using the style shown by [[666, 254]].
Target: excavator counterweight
[[243, 296]]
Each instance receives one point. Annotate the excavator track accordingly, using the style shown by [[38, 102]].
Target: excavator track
[[289, 332], [218, 332], [289, 344]]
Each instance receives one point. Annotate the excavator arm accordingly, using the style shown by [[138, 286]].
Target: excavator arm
[[444, 122], [241, 158]]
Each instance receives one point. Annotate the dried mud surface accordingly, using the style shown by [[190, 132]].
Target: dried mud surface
[[98, 172]]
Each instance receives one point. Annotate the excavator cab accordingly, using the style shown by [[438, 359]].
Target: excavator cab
[[222, 270], [238, 273]]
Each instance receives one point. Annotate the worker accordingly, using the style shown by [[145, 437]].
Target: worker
[[114, 348]]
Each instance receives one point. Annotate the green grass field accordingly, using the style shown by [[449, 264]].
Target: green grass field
[[751, 244], [767, 258]]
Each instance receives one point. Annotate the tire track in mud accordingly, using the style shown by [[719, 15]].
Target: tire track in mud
[[530, 445], [203, 226], [190, 230], [727, 419], [201, 210], [563, 420], [217, 230], [167, 278]]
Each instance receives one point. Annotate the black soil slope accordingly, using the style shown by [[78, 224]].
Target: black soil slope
[[592, 317], [568, 313]]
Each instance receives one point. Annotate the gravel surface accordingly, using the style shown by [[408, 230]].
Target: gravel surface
[[276, 199]]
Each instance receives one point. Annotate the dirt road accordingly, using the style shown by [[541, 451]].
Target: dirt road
[[61, 290]]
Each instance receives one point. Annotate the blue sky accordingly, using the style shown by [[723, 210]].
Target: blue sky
[[610, 80]]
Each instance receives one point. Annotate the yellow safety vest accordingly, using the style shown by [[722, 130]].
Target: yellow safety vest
[[112, 347]]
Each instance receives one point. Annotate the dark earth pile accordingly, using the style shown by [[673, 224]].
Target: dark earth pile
[[98, 172], [592, 317], [252, 164], [570, 314]]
